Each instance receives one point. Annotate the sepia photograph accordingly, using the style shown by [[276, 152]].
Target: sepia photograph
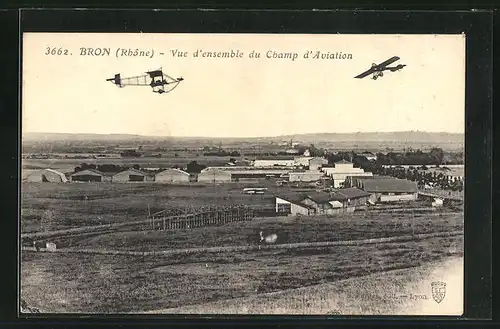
[[272, 174]]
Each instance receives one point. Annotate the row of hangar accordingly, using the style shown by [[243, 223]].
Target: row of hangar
[[171, 175]]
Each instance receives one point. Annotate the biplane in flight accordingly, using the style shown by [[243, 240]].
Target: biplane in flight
[[378, 69], [157, 80]]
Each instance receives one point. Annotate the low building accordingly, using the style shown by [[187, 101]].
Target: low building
[[388, 190], [256, 174], [47, 176], [208, 175], [340, 172], [351, 197], [274, 161], [129, 175], [352, 180], [293, 206], [172, 175], [305, 176], [346, 200], [90, 175], [316, 163], [323, 203]]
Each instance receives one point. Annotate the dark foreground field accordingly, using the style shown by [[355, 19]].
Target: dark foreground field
[[354, 226], [59, 282]]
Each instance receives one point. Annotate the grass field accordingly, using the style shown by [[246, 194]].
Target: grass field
[[59, 282], [77, 282], [118, 202], [396, 292]]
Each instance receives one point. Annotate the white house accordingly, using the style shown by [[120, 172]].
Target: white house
[[341, 171]]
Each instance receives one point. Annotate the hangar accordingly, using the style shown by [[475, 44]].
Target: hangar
[[47, 176]]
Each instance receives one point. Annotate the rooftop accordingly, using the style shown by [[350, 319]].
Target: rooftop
[[349, 193], [275, 157], [319, 197], [389, 185]]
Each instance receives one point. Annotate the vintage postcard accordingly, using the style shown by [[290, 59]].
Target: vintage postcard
[[242, 174]]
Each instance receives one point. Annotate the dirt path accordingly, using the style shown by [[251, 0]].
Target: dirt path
[[403, 238], [398, 292]]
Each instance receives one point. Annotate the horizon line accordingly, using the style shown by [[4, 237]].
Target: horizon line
[[241, 137]]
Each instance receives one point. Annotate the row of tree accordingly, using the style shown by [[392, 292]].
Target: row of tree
[[417, 174], [435, 156]]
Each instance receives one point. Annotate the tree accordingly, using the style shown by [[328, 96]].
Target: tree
[[136, 166], [437, 155], [194, 168]]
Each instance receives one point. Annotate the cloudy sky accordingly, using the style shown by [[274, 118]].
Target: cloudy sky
[[245, 97]]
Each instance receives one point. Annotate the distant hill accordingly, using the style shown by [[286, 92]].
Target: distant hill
[[403, 136]]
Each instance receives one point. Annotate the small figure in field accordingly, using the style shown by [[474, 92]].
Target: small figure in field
[[269, 239], [37, 245]]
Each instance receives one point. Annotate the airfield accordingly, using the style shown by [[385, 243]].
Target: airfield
[[136, 269]]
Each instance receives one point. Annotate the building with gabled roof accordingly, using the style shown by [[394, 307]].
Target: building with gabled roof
[[341, 171], [90, 175], [346, 200], [388, 190], [130, 175]]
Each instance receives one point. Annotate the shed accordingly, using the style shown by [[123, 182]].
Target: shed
[[386, 190], [87, 175], [293, 206], [130, 175], [47, 176], [214, 176], [172, 175], [351, 197]]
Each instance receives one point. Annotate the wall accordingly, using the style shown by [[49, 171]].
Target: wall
[[296, 209], [87, 178], [316, 163], [171, 176], [212, 176], [271, 163], [125, 176], [304, 176], [382, 197], [401, 197]]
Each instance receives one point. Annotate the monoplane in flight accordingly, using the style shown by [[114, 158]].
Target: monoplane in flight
[[378, 69], [157, 80]]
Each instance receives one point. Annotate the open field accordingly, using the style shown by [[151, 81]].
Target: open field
[[59, 282], [89, 283], [118, 202], [64, 205], [397, 292]]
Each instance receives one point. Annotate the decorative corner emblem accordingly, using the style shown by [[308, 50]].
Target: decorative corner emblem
[[438, 291]]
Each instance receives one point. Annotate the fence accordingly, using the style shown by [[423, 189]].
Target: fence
[[206, 216]]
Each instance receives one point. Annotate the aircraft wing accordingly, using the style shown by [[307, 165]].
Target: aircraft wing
[[388, 62], [364, 74]]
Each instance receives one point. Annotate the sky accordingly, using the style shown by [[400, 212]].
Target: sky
[[244, 97]]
